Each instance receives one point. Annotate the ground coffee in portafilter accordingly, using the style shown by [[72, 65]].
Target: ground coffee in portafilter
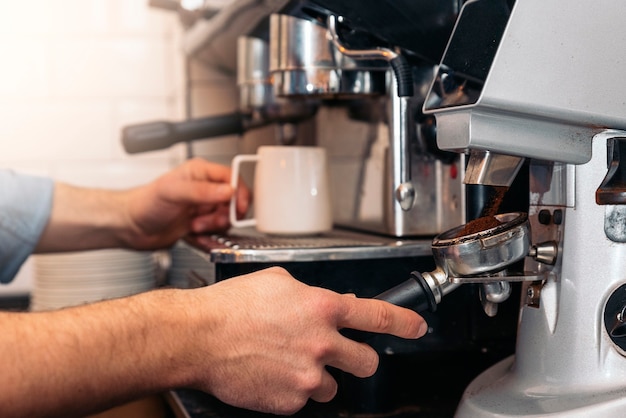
[[488, 219], [478, 225], [491, 209]]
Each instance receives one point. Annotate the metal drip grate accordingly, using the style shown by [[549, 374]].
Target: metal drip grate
[[269, 242], [248, 245]]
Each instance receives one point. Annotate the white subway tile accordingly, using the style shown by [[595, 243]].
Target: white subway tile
[[200, 71], [24, 70], [110, 174], [26, 17], [178, 154], [135, 16], [81, 17], [177, 63], [214, 98], [343, 136], [119, 67], [35, 168], [54, 130], [220, 150], [223, 150]]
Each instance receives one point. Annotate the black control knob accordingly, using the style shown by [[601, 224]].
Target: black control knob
[[615, 317]]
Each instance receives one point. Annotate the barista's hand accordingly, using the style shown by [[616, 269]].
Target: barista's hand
[[191, 198], [271, 337], [260, 341]]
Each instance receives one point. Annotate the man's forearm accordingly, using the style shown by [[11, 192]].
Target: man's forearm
[[67, 362], [83, 219]]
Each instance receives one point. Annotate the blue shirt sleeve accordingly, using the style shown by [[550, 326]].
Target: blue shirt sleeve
[[25, 205]]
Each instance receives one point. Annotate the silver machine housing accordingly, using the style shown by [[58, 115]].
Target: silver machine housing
[[388, 184], [552, 91]]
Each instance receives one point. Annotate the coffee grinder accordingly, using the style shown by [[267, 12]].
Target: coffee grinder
[[525, 80]]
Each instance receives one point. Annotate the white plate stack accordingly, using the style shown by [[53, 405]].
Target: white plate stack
[[70, 279], [188, 269]]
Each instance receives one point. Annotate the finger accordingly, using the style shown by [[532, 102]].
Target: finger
[[203, 170], [197, 192], [204, 193], [212, 222], [206, 209], [353, 357], [203, 182], [217, 220], [244, 197], [381, 317], [243, 203], [327, 389]]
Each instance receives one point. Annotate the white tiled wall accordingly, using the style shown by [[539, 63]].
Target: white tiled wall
[[72, 73]]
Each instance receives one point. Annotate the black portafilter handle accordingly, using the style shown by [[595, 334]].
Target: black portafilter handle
[[158, 135], [414, 294]]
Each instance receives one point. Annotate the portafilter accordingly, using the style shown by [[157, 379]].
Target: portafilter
[[483, 247]]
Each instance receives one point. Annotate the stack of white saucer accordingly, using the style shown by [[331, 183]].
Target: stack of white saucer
[[188, 269], [76, 278]]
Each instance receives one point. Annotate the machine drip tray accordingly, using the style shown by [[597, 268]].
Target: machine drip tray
[[247, 245]]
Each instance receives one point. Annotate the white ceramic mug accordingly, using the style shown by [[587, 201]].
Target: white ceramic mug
[[291, 190]]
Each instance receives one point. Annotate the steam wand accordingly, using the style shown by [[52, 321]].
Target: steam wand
[[402, 123]]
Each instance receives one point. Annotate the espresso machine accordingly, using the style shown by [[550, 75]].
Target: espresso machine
[[539, 81], [394, 190], [361, 76]]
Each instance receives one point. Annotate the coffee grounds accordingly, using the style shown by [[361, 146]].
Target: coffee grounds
[[478, 225], [488, 219], [494, 204]]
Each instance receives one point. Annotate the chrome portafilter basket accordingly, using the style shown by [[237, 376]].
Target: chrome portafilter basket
[[484, 246], [480, 252], [477, 252]]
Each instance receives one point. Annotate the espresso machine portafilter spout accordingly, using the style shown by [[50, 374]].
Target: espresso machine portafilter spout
[[492, 169]]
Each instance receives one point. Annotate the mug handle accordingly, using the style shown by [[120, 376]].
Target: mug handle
[[234, 180]]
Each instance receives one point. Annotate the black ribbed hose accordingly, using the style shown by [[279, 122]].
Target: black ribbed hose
[[404, 77]]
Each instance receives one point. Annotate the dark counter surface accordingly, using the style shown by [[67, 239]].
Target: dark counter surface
[[195, 404], [398, 390]]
